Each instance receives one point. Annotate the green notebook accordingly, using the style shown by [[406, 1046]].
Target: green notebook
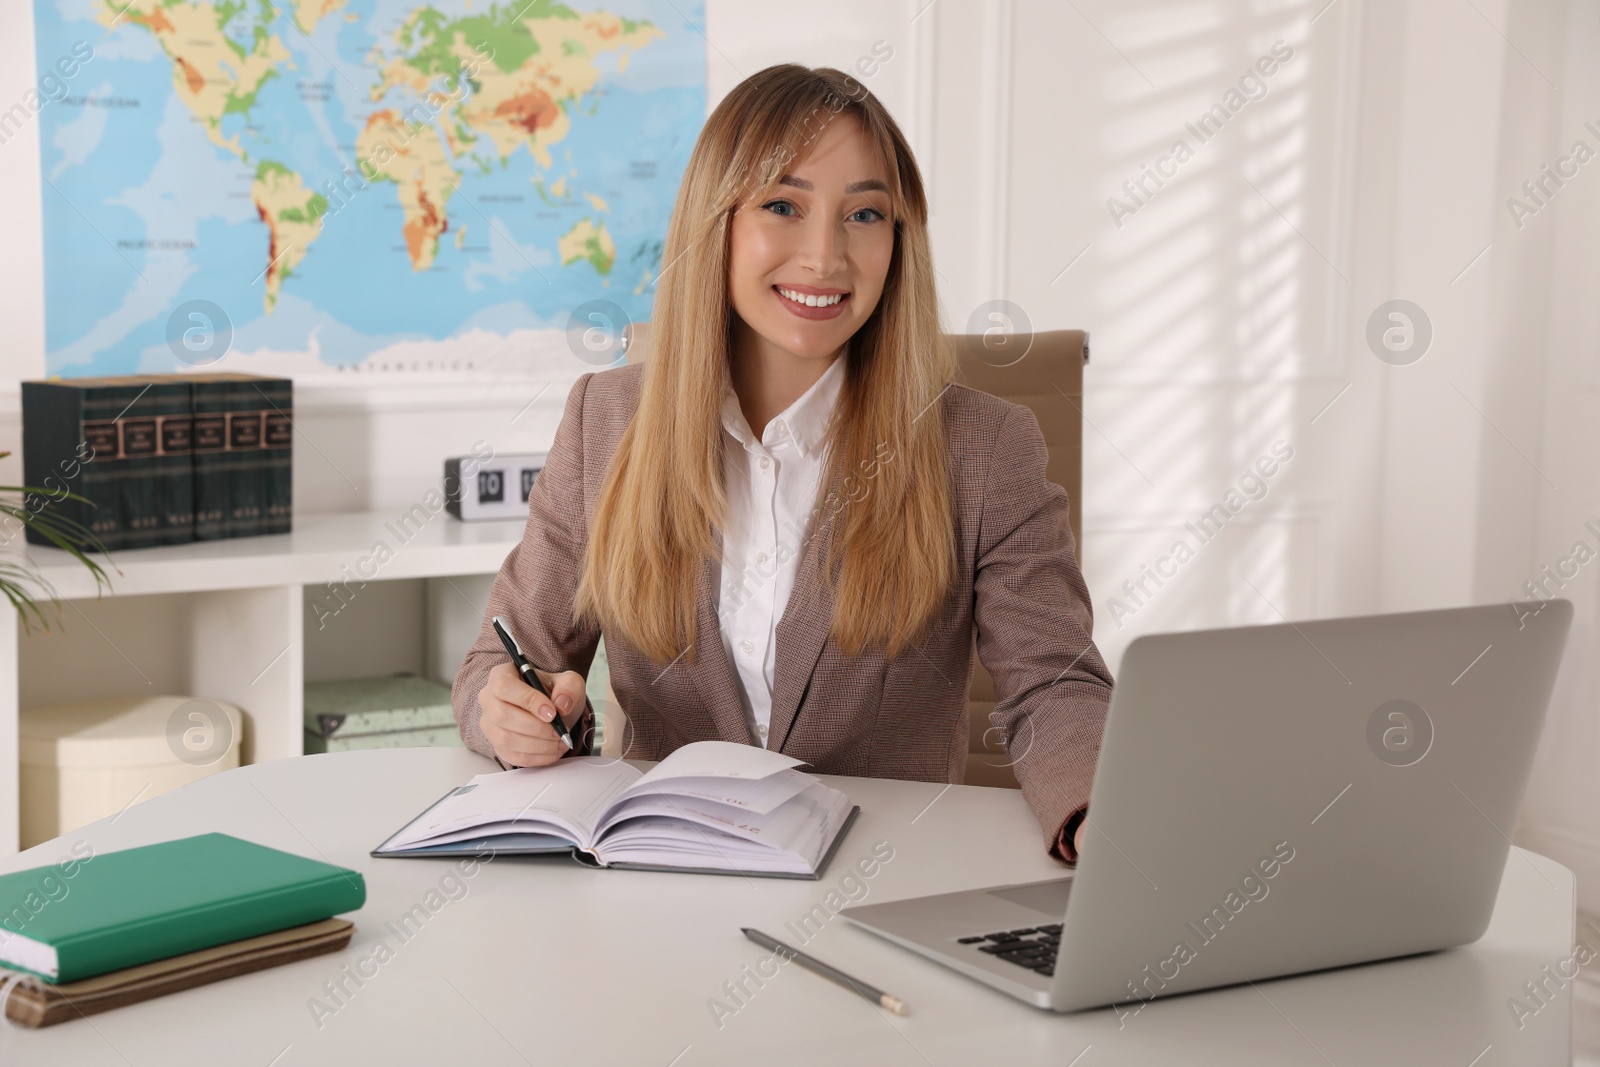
[[121, 909]]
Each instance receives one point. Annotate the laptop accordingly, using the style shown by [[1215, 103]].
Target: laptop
[[1273, 800]]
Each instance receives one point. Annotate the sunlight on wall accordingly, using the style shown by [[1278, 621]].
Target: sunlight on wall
[[1212, 297]]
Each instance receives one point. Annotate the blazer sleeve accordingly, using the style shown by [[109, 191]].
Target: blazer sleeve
[[1035, 626], [537, 585]]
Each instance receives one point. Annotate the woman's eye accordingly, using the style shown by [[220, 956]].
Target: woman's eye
[[872, 212]]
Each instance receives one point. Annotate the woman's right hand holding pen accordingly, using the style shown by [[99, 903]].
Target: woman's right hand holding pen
[[517, 717]]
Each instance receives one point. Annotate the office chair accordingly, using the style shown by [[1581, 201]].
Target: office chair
[[1046, 375]]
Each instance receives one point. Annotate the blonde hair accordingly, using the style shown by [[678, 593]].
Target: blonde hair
[[886, 487]]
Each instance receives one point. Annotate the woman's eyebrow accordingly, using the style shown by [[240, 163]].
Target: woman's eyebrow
[[853, 187]]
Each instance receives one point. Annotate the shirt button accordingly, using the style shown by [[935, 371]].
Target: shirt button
[[762, 729], [765, 463], [748, 648]]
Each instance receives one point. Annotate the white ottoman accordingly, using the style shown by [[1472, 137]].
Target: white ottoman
[[89, 759]]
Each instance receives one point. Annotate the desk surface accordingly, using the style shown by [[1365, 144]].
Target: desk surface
[[539, 960]]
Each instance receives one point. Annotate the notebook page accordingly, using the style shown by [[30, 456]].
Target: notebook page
[[802, 826], [720, 759], [504, 833], [751, 794], [679, 843], [569, 796]]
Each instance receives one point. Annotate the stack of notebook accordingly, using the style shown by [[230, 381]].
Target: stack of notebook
[[394, 711], [89, 934]]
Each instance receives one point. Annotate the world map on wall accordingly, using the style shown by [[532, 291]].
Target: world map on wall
[[304, 186]]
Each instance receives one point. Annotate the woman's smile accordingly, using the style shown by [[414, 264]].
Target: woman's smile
[[808, 302]]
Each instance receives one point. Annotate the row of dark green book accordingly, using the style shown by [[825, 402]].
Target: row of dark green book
[[161, 458]]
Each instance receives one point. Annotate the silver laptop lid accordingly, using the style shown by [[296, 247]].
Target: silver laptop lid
[[1277, 799]]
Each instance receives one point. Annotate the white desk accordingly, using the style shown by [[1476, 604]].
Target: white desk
[[543, 961]]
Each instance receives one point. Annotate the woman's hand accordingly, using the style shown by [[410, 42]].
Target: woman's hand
[[1061, 848], [517, 717]]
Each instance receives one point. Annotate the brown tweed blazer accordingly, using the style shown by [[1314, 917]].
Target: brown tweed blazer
[[1017, 584]]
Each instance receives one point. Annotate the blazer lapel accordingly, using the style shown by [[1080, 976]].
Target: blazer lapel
[[801, 634], [711, 672]]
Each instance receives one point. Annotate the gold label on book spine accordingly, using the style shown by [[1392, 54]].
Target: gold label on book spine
[[177, 434], [280, 431], [210, 432], [244, 430], [103, 438], [168, 435], [138, 437]]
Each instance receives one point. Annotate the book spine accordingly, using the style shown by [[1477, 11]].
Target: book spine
[[245, 459], [278, 440], [209, 443], [138, 487], [174, 458], [105, 477], [93, 427], [52, 459]]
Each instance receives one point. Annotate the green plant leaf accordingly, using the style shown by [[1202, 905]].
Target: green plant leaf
[[20, 581]]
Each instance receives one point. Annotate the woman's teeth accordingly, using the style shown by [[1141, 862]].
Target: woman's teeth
[[813, 301]]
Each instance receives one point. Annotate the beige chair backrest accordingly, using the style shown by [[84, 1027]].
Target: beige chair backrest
[[1047, 377]]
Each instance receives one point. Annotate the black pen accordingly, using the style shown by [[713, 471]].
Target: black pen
[[529, 675]]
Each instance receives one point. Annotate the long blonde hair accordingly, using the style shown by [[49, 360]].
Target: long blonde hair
[[663, 496]]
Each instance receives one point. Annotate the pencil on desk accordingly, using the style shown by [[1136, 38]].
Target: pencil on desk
[[810, 963]]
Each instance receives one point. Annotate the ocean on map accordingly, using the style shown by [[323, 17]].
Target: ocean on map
[[210, 157]]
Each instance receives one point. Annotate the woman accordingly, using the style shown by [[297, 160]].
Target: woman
[[788, 520]]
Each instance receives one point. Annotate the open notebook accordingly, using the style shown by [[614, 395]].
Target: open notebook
[[712, 807]]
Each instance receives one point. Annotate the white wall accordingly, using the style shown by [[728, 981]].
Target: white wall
[[21, 272], [1557, 428], [1227, 314]]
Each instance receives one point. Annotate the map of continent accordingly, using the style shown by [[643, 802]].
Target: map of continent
[[356, 185]]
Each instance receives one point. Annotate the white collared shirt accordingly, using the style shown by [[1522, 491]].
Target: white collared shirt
[[772, 500]]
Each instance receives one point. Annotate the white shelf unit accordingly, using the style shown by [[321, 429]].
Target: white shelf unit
[[235, 620]]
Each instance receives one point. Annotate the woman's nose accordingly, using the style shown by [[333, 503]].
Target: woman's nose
[[825, 246]]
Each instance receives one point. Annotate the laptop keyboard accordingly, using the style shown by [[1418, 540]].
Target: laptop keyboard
[[1033, 947]]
